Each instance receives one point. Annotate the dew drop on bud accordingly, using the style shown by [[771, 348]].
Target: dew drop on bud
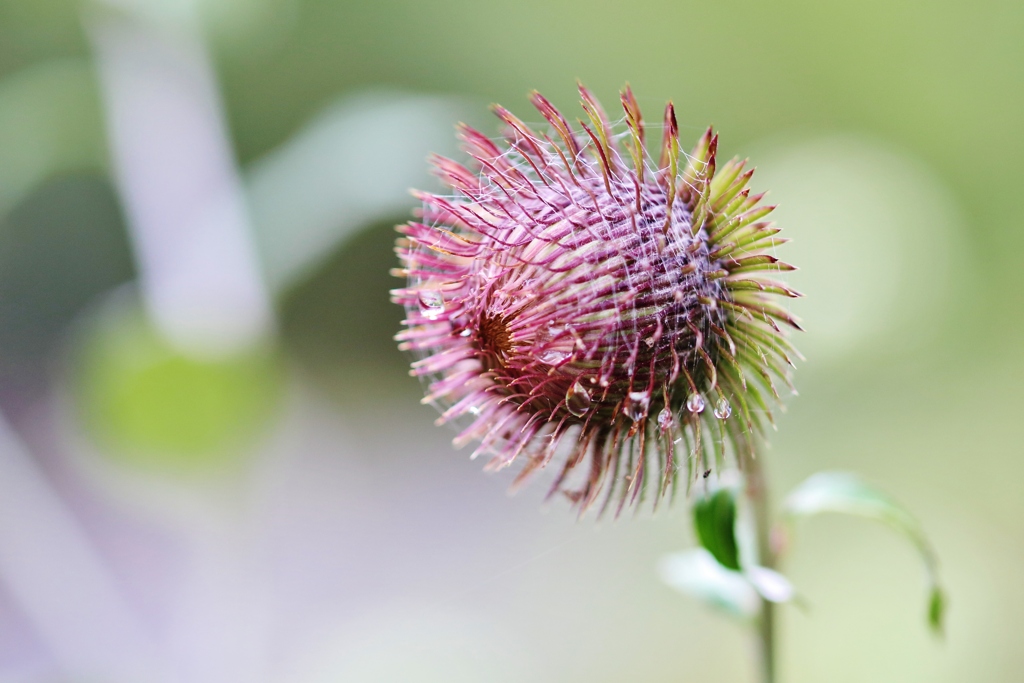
[[636, 408], [549, 332], [431, 303], [577, 400], [557, 350], [695, 403], [553, 356], [722, 408], [665, 419]]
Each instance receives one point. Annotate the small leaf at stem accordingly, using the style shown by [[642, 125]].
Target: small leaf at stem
[[848, 494], [771, 585], [697, 574], [714, 517]]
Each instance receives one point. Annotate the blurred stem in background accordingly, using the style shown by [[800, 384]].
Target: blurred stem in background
[[175, 169]]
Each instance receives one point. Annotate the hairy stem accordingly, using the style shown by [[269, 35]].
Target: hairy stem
[[757, 492]]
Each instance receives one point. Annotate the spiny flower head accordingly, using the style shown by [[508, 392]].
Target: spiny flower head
[[572, 300]]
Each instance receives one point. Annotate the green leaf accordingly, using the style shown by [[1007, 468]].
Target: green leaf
[[846, 493], [714, 517]]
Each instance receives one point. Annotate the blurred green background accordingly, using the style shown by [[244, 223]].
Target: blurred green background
[[292, 493]]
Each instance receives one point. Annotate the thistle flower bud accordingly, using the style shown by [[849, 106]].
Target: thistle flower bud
[[573, 300]]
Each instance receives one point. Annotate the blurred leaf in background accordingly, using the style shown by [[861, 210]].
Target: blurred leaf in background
[[63, 246], [50, 123]]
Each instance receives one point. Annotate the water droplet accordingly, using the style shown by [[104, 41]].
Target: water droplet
[[553, 356], [665, 419], [577, 400], [636, 408], [431, 303], [465, 333], [554, 344], [723, 409], [695, 403], [549, 332]]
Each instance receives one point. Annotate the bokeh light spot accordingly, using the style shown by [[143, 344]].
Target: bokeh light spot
[[158, 408], [873, 232]]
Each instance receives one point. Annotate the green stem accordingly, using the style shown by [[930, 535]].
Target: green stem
[[757, 492]]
